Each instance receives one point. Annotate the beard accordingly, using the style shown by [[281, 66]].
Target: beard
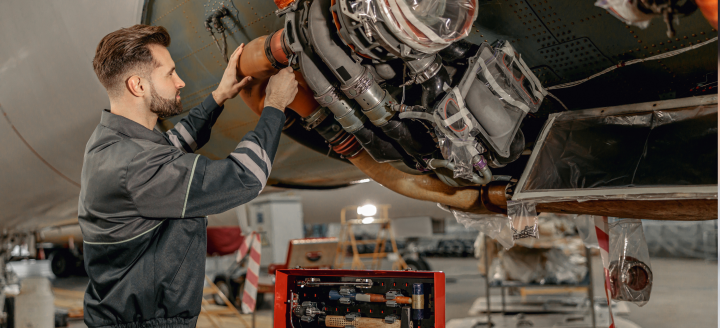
[[164, 107]]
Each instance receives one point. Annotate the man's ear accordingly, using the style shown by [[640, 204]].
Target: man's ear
[[136, 86]]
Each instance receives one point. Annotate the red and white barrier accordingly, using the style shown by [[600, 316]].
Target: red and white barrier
[[602, 230], [252, 246]]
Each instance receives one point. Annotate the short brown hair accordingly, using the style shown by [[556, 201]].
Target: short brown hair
[[125, 50]]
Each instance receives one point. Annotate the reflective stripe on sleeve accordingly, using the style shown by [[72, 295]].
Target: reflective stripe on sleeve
[[258, 151], [186, 135], [255, 169], [175, 141]]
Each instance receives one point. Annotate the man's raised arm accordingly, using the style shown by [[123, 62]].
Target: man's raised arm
[[164, 182], [193, 131]]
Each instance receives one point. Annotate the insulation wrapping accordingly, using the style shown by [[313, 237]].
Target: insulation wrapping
[[427, 25], [626, 11]]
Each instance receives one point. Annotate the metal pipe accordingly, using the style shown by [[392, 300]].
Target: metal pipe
[[422, 187], [327, 45], [345, 113], [254, 62]]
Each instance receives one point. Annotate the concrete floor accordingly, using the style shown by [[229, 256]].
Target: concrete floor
[[685, 292]]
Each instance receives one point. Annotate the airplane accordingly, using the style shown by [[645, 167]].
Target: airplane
[[51, 100]]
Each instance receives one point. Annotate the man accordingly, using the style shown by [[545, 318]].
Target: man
[[145, 195]]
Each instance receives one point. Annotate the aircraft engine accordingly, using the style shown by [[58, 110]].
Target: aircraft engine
[[393, 80]]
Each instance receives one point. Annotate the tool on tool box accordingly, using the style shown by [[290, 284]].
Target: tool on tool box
[[315, 282], [418, 302], [307, 311], [359, 298], [355, 320], [346, 296]]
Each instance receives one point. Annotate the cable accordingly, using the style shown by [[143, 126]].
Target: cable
[[216, 20], [630, 62], [558, 100]]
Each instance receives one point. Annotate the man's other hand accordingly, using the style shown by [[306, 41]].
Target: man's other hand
[[281, 89], [231, 83]]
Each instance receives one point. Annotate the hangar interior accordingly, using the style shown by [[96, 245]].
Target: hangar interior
[[445, 163]]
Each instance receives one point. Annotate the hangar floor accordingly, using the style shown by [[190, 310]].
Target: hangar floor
[[685, 292]]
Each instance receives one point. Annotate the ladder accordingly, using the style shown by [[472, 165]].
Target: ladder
[[347, 238]]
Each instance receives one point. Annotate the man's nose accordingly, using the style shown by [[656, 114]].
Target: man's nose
[[180, 83]]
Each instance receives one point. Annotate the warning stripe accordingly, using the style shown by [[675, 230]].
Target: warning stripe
[[252, 246], [602, 232]]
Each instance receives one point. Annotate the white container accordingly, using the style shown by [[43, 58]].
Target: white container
[[34, 307]]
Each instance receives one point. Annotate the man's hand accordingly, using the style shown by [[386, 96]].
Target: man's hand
[[231, 83], [281, 89]]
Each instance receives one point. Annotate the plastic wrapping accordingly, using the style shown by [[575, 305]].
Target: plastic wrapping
[[611, 153], [460, 153], [495, 226], [364, 9], [556, 258], [626, 11], [509, 78], [429, 25], [631, 276], [524, 219], [586, 229], [538, 266], [453, 118]]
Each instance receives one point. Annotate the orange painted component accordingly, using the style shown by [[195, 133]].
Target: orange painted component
[[709, 9], [377, 298], [403, 300], [253, 62], [276, 47], [281, 4]]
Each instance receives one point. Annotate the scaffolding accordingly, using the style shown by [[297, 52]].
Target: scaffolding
[[385, 234]]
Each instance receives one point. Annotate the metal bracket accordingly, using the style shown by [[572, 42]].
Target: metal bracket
[[364, 283], [390, 295], [352, 316], [345, 290], [314, 119], [391, 319], [290, 8]]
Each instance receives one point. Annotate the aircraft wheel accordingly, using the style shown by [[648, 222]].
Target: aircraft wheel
[[224, 287], [62, 263]]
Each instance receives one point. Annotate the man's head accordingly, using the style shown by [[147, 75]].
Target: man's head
[[134, 65]]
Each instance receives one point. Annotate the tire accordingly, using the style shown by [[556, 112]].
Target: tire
[[224, 287], [10, 310], [239, 288], [62, 263], [418, 265]]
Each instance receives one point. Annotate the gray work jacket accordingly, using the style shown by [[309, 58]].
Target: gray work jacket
[[144, 199]]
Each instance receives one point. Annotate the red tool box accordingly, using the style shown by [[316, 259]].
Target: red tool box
[[314, 298]]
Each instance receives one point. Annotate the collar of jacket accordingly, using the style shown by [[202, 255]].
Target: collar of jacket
[[130, 128]]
